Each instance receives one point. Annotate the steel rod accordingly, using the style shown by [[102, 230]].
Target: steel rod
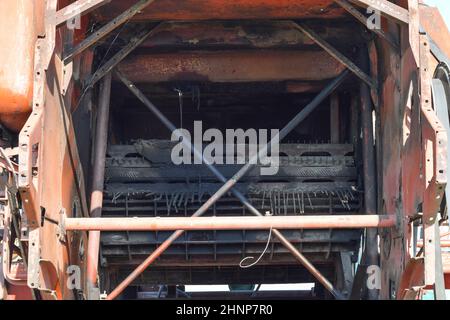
[[387, 9], [98, 177], [229, 223], [302, 115], [369, 170]]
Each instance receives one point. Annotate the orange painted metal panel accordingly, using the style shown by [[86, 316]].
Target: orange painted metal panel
[[20, 23], [431, 19]]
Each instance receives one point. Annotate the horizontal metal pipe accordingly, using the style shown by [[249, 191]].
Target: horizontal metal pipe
[[231, 66], [229, 223]]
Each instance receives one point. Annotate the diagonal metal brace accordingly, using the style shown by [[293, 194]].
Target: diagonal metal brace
[[77, 9], [119, 56], [363, 19], [337, 55], [107, 29], [387, 9], [228, 187]]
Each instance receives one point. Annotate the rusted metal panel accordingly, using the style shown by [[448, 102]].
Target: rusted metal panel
[[247, 34], [50, 178], [433, 23], [21, 22], [231, 66], [227, 10], [400, 154]]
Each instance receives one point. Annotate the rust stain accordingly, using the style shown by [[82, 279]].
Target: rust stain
[[19, 27], [224, 9], [232, 66]]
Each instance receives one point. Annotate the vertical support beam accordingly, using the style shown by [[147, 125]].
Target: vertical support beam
[[369, 172], [334, 119], [434, 143], [98, 177]]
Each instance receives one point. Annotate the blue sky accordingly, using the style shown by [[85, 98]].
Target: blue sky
[[444, 8]]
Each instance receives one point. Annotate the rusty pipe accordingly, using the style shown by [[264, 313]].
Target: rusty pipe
[[229, 223], [322, 220], [98, 177]]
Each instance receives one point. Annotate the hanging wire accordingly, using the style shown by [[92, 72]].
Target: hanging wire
[[241, 264]]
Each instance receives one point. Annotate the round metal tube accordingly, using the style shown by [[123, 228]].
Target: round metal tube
[[229, 223], [369, 167], [98, 177]]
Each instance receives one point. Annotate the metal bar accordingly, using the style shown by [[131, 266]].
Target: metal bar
[[77, 8], [337, 55], [363, 19], [119, 56], [387, 9], [334, 119], [98, 177], [369, 171], [149, 260], [106, 29], [229, 223]]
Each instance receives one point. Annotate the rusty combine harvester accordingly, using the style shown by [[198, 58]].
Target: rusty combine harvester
[[93, 206]]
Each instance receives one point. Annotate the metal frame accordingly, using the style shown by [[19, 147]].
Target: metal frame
[[389, 10], [228, 186], [119, 56], [337, 55]]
